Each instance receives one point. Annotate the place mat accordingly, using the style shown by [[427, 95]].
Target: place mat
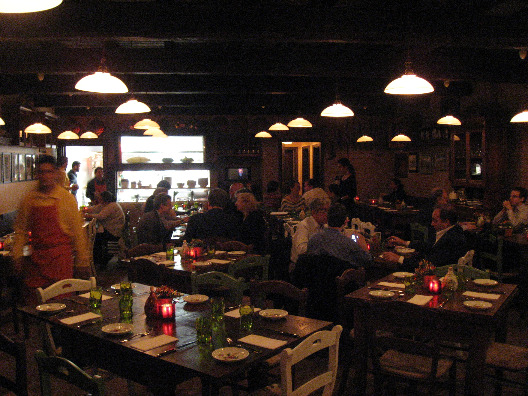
[[166, 262], [79, 318], [147, 344], [263, 342], [420, 299], [87, 295], [219, 261], [391, 284], [485, 296], [235, 313]]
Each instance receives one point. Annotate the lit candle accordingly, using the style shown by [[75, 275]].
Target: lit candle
[[434, 286], [167, 311]]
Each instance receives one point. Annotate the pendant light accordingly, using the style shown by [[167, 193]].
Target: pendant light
[[89, 135], [146, 124], [154, 132], [21, 6], [300, 123], [101, 82], [409, 84], [37, 128], [401, 138], [364, 139], [132, 106], [521, 117], [337, 110], [449, 120], [2, 122], [278, 126], [263, 134], [69, 135]]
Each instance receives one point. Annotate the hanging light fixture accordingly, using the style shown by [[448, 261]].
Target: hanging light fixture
[[69, 135], [456, 138], [37, 128], [449, 120], [300, 123], [101, 82], [132, 106], [409, 84], [154, 132], [2, 122], [21, 6], [521, 117], [263, 134], [278, 126], [337, 110], [146, 124], [89, 135], [364, 139], [401, 138]]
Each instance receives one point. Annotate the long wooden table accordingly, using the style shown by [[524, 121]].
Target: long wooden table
[[474, 328], [163, 373]]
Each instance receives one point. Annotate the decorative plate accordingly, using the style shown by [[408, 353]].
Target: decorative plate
[[51, 307], [382, 294], [237, 252], [195, 298], [402, 275], [230, 354], [273, 314], [485, 282], [477, 304], [403, 250], [117, 328]]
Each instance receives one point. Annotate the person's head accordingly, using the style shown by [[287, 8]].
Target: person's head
[[162, 203], [517, 196], [310, 184], [246, 202], [337, 216], [99, 173], [234, 188], [294, 187], [439, 197], [164, 184], [218, 198], [272, 186], [76, 165], [443, 217], [46, 172], [160, 190], [319, 208], [345, 165], [107, 197], [62, 162]]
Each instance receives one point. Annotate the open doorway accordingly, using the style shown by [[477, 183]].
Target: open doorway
[[301, 161], [90, 158]]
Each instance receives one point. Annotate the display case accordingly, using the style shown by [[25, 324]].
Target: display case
[[468, 157], [157, 150]]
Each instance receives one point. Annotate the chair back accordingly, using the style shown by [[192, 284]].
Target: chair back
[[218, 283], [314, 343], [490, 253], [350, 280], [17, 350], [282, 294], [468, 272], [142, 270], [250, 268], [467, 259], [91, 230], [234, 245], [419, 232], [63, 287], [65, 370]]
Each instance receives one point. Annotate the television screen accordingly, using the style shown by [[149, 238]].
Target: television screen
[[238, 174]]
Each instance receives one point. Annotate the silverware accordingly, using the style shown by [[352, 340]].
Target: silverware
[[137, 335], [91, 322], [186, 344], [284, 333], [166, 352]]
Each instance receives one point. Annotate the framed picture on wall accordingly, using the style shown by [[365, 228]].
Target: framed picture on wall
[[426, 164], [440, 161], [6, 167], [413, 163], [401, 165]]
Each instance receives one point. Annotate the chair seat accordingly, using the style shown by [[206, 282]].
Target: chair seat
[[412, 366], [506, 356]]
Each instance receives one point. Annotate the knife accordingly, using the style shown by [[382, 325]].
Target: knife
[[166, 352], [285, 333]]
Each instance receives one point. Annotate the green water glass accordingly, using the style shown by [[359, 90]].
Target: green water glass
[[203, 330], [246, 318], [96, 297]]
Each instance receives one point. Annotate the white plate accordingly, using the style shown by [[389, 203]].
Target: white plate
[[50, 307], [117, 328], [383, 294], [273, 314], [218, 252], [477, 304], [117, 286], [237, 252], [402, 275], [230, 354], [202, 264], [195, 298], [403, 250], [485, 282]]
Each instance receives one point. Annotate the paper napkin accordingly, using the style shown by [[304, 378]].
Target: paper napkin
[[484, 296], [278, 213], [264, 342], [87, 295], [235, 313], [420, 299], [218, 261], [80, 318], [391, 284], [218, 252], [147, 344]]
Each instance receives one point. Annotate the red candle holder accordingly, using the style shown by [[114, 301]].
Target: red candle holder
[[434, 285], [165, 308]]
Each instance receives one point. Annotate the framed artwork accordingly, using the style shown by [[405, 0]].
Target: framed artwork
[[21, 167], [413, 163], [6, 168], [426, 164], [440, 161], [401, 165]]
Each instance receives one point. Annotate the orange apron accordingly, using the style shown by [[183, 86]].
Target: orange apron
[[52, 257]]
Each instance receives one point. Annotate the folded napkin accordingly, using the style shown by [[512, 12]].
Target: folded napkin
[[235, 313], [218, 252], [147, 344], [87, 295], [159, 254], [80, 318], [4, 252], [218, 261], [391, 284], [484, 296], [420, 299], [166, 262], [263, 342], [278, 213]]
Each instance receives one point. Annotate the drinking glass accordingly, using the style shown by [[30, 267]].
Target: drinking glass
[[217, 308], [246, 317], [96, 297], [170, 252], [125, 289], [203, 330], [211, 249], [125, 306]]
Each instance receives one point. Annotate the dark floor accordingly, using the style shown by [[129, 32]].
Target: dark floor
[[517, 334]]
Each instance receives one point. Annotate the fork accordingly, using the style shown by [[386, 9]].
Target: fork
[[137, 335]]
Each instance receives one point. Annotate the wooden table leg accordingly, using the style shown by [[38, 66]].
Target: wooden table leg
[[362, 331], [476, 362]]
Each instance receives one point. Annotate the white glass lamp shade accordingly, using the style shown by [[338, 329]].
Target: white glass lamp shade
[[300, 123], [278, 126], [132, 106], [449, 120], [20, 6], [101, 82], [154, 132], [146, 124], [2, 122], [409, 84], [37, 128], [68, 135], [401, 138], [364, 139], [456, 138], [337, 110], [263, 134], [89, 135], [521, 117]]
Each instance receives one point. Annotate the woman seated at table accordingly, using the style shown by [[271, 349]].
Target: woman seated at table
[[253, 226], [293, 202], [273, 197], [111, 218], [397, 194]]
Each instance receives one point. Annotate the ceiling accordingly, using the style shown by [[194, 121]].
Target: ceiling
[[258, 57]]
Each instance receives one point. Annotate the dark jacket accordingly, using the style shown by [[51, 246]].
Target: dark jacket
[[151, 229], [447, 250], [252, 231], [215, 223]]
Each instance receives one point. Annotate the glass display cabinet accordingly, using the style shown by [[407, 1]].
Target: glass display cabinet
[[468, 157]]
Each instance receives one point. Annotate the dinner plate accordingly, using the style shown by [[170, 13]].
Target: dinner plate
[[51, 307], [477, 304], [382, 294], [237, 252], [273, 314], [485, 282], [195, 298], [230, 354], [402, 275], [117, 328], [403, 250]]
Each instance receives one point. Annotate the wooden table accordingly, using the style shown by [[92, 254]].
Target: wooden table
[[388, 220], [163, 373], [474, 328]]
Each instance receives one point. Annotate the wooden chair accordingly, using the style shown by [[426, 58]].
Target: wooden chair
[[65, 370], [17, 350], [490, 256], [143, 249], [143, 270], [91, 230], [218, 283], [250, 268], [506, 357], [291, 296], [419, 232], [468, 272]]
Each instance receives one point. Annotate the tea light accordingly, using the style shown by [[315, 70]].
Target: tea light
[[434, 286], [167, 311], [356, 199]]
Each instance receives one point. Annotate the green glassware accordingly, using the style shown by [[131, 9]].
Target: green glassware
[[96, 297]]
